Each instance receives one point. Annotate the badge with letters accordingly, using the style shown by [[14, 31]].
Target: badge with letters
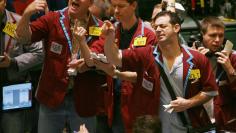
[[56, 48], [148, 85], [10, 29], [140, 41], [195, 74], [95, 31]]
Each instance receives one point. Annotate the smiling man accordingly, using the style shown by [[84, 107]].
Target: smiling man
[[64, 96]]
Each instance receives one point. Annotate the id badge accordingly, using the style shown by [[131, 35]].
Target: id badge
[[10, 29], [195, 74], [140, 41], [95, 31], [56, 48], [147, 82]]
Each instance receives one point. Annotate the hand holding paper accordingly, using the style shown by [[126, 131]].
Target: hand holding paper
[[168, 108], [100, 57]]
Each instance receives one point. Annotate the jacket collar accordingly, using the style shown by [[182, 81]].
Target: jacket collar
[[139, 31], [187, 62]]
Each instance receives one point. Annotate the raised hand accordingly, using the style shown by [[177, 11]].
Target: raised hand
[[108, 30], [203, 50], [36, 6], [223, 59], [79, 33]]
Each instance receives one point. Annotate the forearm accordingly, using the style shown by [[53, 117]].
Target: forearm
[[23, 31], [128, 76], [112, 52], [86, 54], [199, 99]]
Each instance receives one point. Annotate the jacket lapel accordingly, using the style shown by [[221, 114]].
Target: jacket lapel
[[187, 66], [157, 56]]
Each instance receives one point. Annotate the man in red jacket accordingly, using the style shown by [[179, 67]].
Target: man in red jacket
[[224, 64], [131, 32], [61, 93], [188, 72]]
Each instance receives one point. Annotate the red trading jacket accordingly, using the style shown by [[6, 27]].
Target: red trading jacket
[[53, 83], [224, 103], [127, 92], [146, 68]]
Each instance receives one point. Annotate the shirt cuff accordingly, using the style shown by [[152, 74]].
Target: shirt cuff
[[210, 93]]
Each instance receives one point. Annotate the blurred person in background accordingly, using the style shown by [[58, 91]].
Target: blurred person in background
[[15, 67]]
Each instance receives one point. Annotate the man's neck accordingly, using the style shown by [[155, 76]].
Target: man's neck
[[170, 50], [130, 23], [81, 16]]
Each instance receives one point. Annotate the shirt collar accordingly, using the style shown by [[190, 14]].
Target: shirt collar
[[131, 30]]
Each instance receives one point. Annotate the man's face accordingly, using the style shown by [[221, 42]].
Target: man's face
[[2, 5], [123, 10], [213, 38], [78, 7], [164, 29]]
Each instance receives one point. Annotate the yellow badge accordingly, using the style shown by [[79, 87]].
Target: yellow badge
[[10, 29], [195, 74], [95, 31], [140, 41]]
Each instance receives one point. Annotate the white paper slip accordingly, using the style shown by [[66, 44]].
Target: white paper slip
[[100, 57], [94, 56], [72, 72], [168, 108]]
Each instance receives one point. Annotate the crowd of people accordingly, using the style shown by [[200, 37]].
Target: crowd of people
[[105, 70]]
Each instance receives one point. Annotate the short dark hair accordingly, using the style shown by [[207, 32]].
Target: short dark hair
[[131, 1], [211, 21], [174, 18], [147, 124]]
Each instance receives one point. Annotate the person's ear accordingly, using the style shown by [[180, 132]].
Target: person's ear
[[134, 4], [177, 28]]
